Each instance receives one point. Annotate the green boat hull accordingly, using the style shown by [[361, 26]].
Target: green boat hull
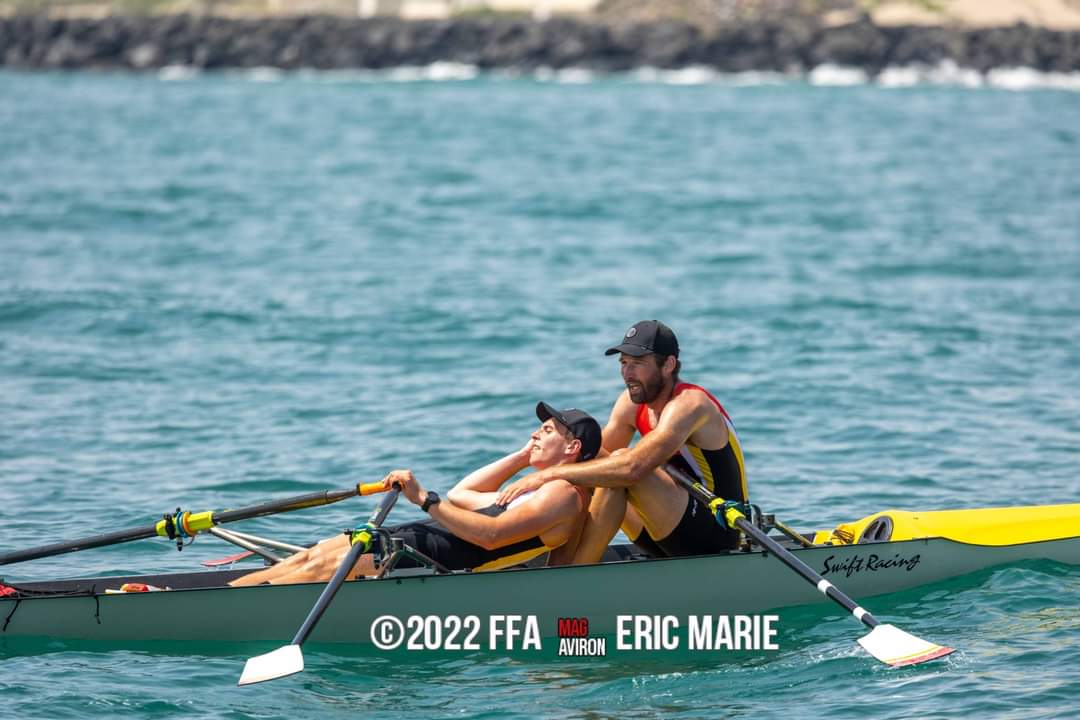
[[201, 608]]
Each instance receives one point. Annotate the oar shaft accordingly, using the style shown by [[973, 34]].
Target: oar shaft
[[86, 543], [827, 588], [738, 520], [346, 566], [299, 502]]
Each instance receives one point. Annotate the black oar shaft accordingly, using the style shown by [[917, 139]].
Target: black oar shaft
[[343, 570], [782, 554], [298, 502], [785, 556], [86, 543]]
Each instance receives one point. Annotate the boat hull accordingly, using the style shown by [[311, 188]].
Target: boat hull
[[732, 584]]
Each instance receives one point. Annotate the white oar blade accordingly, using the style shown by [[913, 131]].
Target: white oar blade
[[893, 646], [284, 661]]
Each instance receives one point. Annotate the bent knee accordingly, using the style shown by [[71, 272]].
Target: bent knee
[[609, 500], [609, 494]]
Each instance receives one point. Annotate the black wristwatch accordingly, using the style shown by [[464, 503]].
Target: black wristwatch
[[431, 499]]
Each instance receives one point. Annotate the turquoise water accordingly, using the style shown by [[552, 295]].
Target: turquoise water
[[229, 288]]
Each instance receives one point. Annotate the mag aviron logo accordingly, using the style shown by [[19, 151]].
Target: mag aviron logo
[[574, 640]]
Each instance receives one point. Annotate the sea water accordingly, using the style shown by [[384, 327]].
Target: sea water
[[222, 289]]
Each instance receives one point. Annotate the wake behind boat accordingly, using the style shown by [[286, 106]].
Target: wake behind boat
[[882, 553]]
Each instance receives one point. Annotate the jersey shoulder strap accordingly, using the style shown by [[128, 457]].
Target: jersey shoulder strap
[[641, 419]]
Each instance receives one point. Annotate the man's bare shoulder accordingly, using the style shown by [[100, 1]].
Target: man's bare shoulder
[[696, 412], [692, 399]]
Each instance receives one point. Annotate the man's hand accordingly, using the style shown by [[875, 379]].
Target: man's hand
[[526, 452], [529, 483], [410, 487]]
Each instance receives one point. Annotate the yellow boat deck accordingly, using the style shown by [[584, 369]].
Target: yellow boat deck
[[980, 526]]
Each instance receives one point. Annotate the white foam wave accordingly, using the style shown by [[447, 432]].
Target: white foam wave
[[263, 74], [946, 73], [566, 76], [949, 73], [1022, 78], [704, 75], [829, 75], [174, 73], [435, 72], [692, 75], [900, 77], [753, 78]]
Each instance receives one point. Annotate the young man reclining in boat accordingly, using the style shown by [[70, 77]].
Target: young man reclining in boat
[[468, 530]]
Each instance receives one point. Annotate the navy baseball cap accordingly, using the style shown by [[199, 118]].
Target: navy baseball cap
[[580, 424], [647, 336]]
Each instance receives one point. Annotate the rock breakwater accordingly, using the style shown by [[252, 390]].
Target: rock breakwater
[[325, 42]]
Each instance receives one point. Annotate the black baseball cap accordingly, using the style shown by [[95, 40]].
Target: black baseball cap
[[647, 336], [580, 424]]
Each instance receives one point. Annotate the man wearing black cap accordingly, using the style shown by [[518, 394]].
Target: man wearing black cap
[[468, 530], [680, 424]]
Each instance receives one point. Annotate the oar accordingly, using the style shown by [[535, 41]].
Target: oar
[[887, 643], [288, 659], [181, 524]]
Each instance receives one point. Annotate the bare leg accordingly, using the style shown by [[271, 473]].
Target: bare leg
[[606, 513], [564, 554], [316, 564], [632, 524], [660, 503]]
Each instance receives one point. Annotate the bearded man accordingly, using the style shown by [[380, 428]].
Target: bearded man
[[680, 424]]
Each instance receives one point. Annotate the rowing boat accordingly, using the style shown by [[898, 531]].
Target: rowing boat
[[882, 553]]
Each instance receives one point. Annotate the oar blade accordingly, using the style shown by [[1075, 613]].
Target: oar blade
[[897, 648], [286, 660]]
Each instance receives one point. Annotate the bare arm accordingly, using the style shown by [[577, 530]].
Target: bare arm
[[479, 488], [621, 424], [681, 418], [555, 503]]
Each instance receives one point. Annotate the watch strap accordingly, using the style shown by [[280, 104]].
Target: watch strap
[[431, 499]]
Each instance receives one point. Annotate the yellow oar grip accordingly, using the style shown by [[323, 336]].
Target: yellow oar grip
[[363, 537], [730, 514], [192, 523], [197, 522], [371, 488]]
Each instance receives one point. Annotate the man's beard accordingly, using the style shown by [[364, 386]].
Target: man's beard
[[646, 391]]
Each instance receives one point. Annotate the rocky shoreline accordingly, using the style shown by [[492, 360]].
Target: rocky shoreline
[[326, 42]]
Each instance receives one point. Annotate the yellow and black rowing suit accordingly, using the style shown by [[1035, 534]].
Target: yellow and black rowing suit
[[721, 471], [438, 543]]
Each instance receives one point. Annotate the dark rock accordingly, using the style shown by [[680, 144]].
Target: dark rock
[[924, 46], [861, 44], [770, 42]]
